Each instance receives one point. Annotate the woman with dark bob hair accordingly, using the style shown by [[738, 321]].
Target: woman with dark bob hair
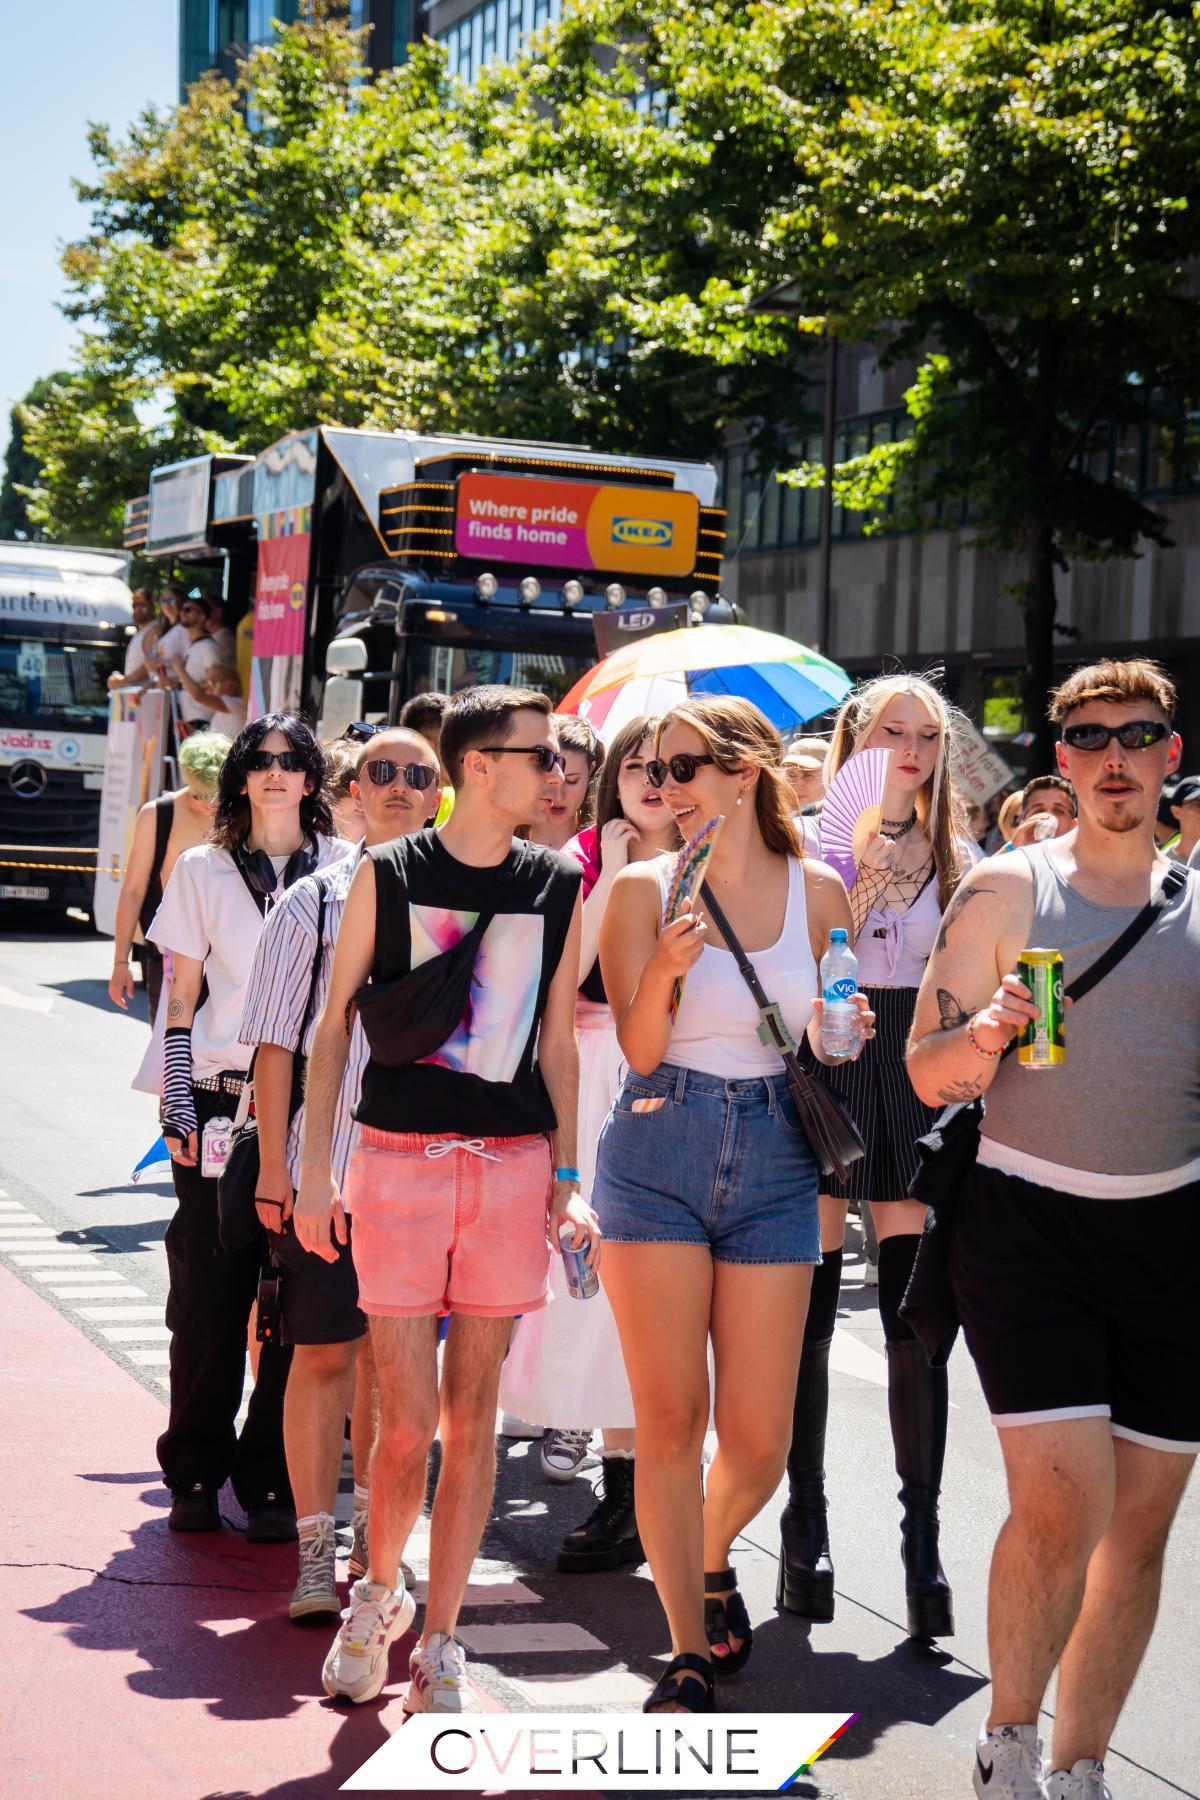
[[271, 826]]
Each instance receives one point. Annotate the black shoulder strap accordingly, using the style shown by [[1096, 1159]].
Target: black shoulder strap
[[772, 1018], [316, 966], [164, 818], [1173, 883]]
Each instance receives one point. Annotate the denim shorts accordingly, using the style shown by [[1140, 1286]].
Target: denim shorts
[[686, 1158]]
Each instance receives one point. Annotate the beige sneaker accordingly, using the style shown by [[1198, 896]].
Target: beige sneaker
[[357, 1665]]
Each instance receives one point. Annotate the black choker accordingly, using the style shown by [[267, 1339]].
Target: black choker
[[899, 827]]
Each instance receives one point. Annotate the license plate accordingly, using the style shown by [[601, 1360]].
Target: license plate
[[10, 890]]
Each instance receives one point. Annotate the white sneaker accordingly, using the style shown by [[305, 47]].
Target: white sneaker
[[439, 1684], [564, 1453], [1084, 1780], [316, 1589], [1008, 1764], [357, 1665], [511, 1426]]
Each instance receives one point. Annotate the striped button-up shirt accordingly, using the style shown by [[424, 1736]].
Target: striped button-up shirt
[[278, 991]]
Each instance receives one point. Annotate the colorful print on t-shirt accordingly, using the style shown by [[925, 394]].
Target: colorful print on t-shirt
[[495, 1029]]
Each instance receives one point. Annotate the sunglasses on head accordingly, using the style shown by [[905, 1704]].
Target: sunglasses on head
[[259, 761], [383, 772], [1138, 734], [545, 758], [359, 732], [681, 768]]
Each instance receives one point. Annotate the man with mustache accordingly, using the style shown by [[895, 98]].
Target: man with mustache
[[1084, 1335]]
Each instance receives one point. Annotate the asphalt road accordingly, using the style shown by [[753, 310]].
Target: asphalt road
[[71, 1130]]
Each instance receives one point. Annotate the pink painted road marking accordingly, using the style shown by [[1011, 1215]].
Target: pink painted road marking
[[137, 1662]]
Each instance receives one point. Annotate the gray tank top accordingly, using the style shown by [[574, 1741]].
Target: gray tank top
[[1124, 1109]]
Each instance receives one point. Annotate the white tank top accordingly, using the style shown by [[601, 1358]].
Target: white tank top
[[716, 1029]]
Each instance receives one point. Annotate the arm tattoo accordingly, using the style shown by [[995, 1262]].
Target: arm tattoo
[[960, 1090], [175, 1009], [951, 1011], [957, 902]]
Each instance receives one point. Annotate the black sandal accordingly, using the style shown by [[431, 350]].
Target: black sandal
[[725, 1616], [688, 1682]]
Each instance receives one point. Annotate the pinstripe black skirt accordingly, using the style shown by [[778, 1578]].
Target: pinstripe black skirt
[[879, 1096]]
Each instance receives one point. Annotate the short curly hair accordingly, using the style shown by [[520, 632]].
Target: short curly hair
[[201, 759], [1121, 682]]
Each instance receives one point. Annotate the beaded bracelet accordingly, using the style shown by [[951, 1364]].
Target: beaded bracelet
[[977, 1047]]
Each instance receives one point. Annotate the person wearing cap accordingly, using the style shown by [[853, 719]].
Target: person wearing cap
[[804, 766], [193, 667], [1185, 810]]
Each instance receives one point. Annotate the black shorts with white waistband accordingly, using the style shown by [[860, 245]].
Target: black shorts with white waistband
[[1075, 1308]]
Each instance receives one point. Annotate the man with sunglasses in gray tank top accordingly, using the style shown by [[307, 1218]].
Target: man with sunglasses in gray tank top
[[1084, 1336]]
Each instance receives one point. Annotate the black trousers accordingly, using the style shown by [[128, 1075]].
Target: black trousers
[[208, 1310]]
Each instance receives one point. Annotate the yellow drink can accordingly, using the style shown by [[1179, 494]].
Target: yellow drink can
[[1042, 1044]]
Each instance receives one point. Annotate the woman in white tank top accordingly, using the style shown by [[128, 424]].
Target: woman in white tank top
[[705, 1182]]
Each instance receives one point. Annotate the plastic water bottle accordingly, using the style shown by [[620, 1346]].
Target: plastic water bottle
[[840, 1031]]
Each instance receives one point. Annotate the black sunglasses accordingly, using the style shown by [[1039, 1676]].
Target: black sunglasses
[[259, 761], [360, 732], [680, 768], [1138, 734], [545, 758], [383, 772]]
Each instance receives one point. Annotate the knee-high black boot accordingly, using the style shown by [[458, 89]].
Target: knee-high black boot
[[805, 1582], [918, 1407]]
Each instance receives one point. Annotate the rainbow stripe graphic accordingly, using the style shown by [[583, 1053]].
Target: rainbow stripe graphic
[[687, 881], [806, 1766]]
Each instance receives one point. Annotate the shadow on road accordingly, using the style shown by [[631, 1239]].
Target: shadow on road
[[209, 1622]]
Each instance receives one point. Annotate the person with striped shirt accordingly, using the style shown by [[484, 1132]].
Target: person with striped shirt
[[397, 790]]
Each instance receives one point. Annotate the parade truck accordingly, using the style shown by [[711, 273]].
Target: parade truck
[[65, 623], [380, 565]]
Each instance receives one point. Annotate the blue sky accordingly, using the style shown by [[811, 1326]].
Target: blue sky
[[62, 63]]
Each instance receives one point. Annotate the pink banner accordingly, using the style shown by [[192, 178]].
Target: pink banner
[[281, 593]]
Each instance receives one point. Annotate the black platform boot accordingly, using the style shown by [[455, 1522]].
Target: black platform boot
[[608, 1537], [918, 1404], [805, 1583]]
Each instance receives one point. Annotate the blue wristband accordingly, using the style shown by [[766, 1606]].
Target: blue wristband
[[566, 1175]]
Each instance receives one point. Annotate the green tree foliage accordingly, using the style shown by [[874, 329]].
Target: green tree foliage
[[1007, 193], [309, 246], [21, 466]]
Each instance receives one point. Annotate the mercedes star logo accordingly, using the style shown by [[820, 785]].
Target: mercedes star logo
[[27, 780]]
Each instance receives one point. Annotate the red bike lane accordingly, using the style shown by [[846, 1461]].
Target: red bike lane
[[138, 1662]]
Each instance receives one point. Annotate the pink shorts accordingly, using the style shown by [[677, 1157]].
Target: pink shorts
[[447, 1223]]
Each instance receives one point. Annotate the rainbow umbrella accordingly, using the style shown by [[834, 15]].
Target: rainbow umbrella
[[788, 682]]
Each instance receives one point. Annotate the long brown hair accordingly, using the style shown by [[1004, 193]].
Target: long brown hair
[[736, 734], [631, 737], [935, 802]]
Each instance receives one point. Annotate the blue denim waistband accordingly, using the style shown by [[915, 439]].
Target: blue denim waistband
[[751, 1090]]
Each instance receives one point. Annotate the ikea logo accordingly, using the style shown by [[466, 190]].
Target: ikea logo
[[651, 534]]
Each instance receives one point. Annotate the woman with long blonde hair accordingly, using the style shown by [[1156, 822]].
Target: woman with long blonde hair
[[907, 873], [706, 1184]]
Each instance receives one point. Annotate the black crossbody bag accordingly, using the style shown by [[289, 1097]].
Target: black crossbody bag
[[835, 1139], [948, 1153], [237, 1220]]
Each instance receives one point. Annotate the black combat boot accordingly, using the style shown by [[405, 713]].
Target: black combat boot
[[609, 1535]]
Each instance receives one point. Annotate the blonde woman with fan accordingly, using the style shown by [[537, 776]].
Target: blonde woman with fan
[[906, 862], [705, 1180]]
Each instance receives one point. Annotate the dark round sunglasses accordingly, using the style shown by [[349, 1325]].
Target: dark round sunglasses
[[681, 768], [259, 761], [1138, 734], [383, 772], [545, 758], [360, 732]]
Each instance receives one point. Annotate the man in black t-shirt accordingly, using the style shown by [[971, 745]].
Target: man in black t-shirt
[[465, 1172]]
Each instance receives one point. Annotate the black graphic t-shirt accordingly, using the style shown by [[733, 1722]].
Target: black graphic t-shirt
[[484, 1081]]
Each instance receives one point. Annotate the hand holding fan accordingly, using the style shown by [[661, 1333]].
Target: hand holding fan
[[852, 810], [690, 869]]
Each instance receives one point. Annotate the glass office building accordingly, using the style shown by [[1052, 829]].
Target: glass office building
[[492, 32], [216, 34]]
